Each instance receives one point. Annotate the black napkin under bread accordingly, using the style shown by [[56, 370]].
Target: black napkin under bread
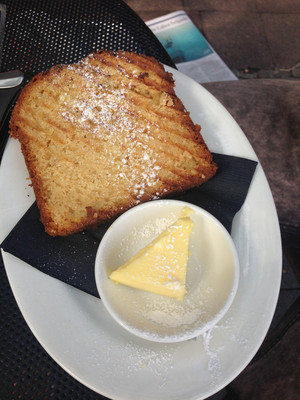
[[71, 259]]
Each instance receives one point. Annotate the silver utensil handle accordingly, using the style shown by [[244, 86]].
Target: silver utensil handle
[[10, 79]]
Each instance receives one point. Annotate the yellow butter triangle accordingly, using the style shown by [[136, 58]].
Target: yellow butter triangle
[[161, 266]]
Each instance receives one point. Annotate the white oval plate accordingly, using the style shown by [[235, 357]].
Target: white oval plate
[[76, 330]]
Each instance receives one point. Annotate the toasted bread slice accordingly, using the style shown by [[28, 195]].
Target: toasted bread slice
[[104, 135]]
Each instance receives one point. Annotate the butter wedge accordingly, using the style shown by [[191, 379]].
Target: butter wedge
[[161, 266]]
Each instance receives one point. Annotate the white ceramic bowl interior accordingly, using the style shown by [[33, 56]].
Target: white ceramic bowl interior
[[211, 282]]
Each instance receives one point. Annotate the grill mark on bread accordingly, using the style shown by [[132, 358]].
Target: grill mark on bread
[[158, 117], [136, 68], [52, 124], [63, 157], [134, 95], [101, 137], [160, 126], [147, 87]]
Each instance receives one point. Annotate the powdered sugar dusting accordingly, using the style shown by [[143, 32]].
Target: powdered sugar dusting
[[102, 108], [160, 361], [214, 364], [172, 314]]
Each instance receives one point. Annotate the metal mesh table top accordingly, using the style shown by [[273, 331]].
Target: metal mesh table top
[[39, 34]]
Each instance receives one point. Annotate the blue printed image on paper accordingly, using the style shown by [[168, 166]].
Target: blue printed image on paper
[[184, 43]]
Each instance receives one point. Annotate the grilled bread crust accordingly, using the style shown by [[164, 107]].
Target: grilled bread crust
[[104, 135]]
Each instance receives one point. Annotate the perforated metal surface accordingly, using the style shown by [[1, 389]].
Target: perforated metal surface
[[39, 34], [27, 372]]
